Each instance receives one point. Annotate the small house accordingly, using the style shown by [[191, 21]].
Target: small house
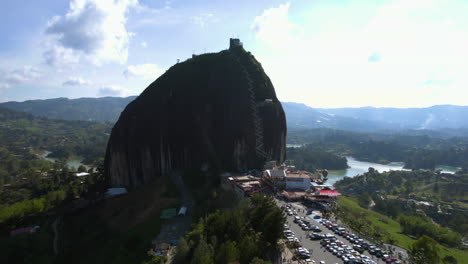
[[182, 211], [162, 249], [115, 191], [24, 230]]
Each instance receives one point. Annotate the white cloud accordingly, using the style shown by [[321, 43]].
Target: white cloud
[[4, 86], [113, 90], [93, 28], [60, 56], [167, 4], [145, 71], [202, 19], [20, 76], [326, 63], [273, 25], [76, 81], [144, 44]]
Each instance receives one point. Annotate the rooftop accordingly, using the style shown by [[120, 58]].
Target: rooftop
[[276, 173], [297, 175]]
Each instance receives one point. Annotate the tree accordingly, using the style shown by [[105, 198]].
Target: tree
[[81, 168], [364, 200], [203, 253], [424, 250], [449, 260], [182, 251], [259, 261], [227, 253], [249, 249], [267, 219]]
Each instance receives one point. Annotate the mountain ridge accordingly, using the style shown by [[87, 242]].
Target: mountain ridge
[[299, 115]]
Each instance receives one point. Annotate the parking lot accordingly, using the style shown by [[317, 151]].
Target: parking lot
[[318, 252]]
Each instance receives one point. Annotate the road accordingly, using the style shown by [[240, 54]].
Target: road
[[319, 253], [56, 234], [179, 225]]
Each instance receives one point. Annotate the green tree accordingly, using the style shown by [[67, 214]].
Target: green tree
[[203, 253], [259, 261], [227, 253], [182, 251], [449, 260], [424, 250], [249, 249], [82, 168], [267, 219], [364, 200]]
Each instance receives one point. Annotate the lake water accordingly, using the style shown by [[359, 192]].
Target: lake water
[[360, 167], [72, 163], [447, 169]]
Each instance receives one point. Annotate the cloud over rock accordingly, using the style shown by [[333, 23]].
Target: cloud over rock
[[146, 71], [93, 28]]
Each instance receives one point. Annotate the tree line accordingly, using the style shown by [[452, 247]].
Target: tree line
[[417, 151], [246, 234], [309, 158]]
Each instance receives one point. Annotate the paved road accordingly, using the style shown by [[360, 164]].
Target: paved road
[[318, 252]]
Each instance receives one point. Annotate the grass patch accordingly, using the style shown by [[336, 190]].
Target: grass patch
[[393, 227]]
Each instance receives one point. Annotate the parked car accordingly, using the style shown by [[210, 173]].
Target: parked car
[[315, 229], [315, 236], [358, 248]]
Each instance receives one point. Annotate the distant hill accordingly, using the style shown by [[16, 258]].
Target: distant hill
[[434, 118], [105, 109], [22, 133], [108, 109], [301, 116], [448, 120]]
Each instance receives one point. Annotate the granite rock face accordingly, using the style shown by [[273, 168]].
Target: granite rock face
[[216, 111]]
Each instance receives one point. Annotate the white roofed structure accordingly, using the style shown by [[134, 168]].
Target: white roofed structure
[[116, 191]]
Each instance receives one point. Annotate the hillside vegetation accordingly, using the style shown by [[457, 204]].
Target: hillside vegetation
[[30, 186], [23, 135], [383, 228], [415, 204], [105, 109], [245, 234], [417, 151], [309, 158]]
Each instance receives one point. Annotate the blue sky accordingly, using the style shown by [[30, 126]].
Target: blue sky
[[324, 53]]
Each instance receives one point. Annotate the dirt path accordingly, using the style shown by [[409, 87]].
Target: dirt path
[[179, 225], [186, 195], [56, 234]]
